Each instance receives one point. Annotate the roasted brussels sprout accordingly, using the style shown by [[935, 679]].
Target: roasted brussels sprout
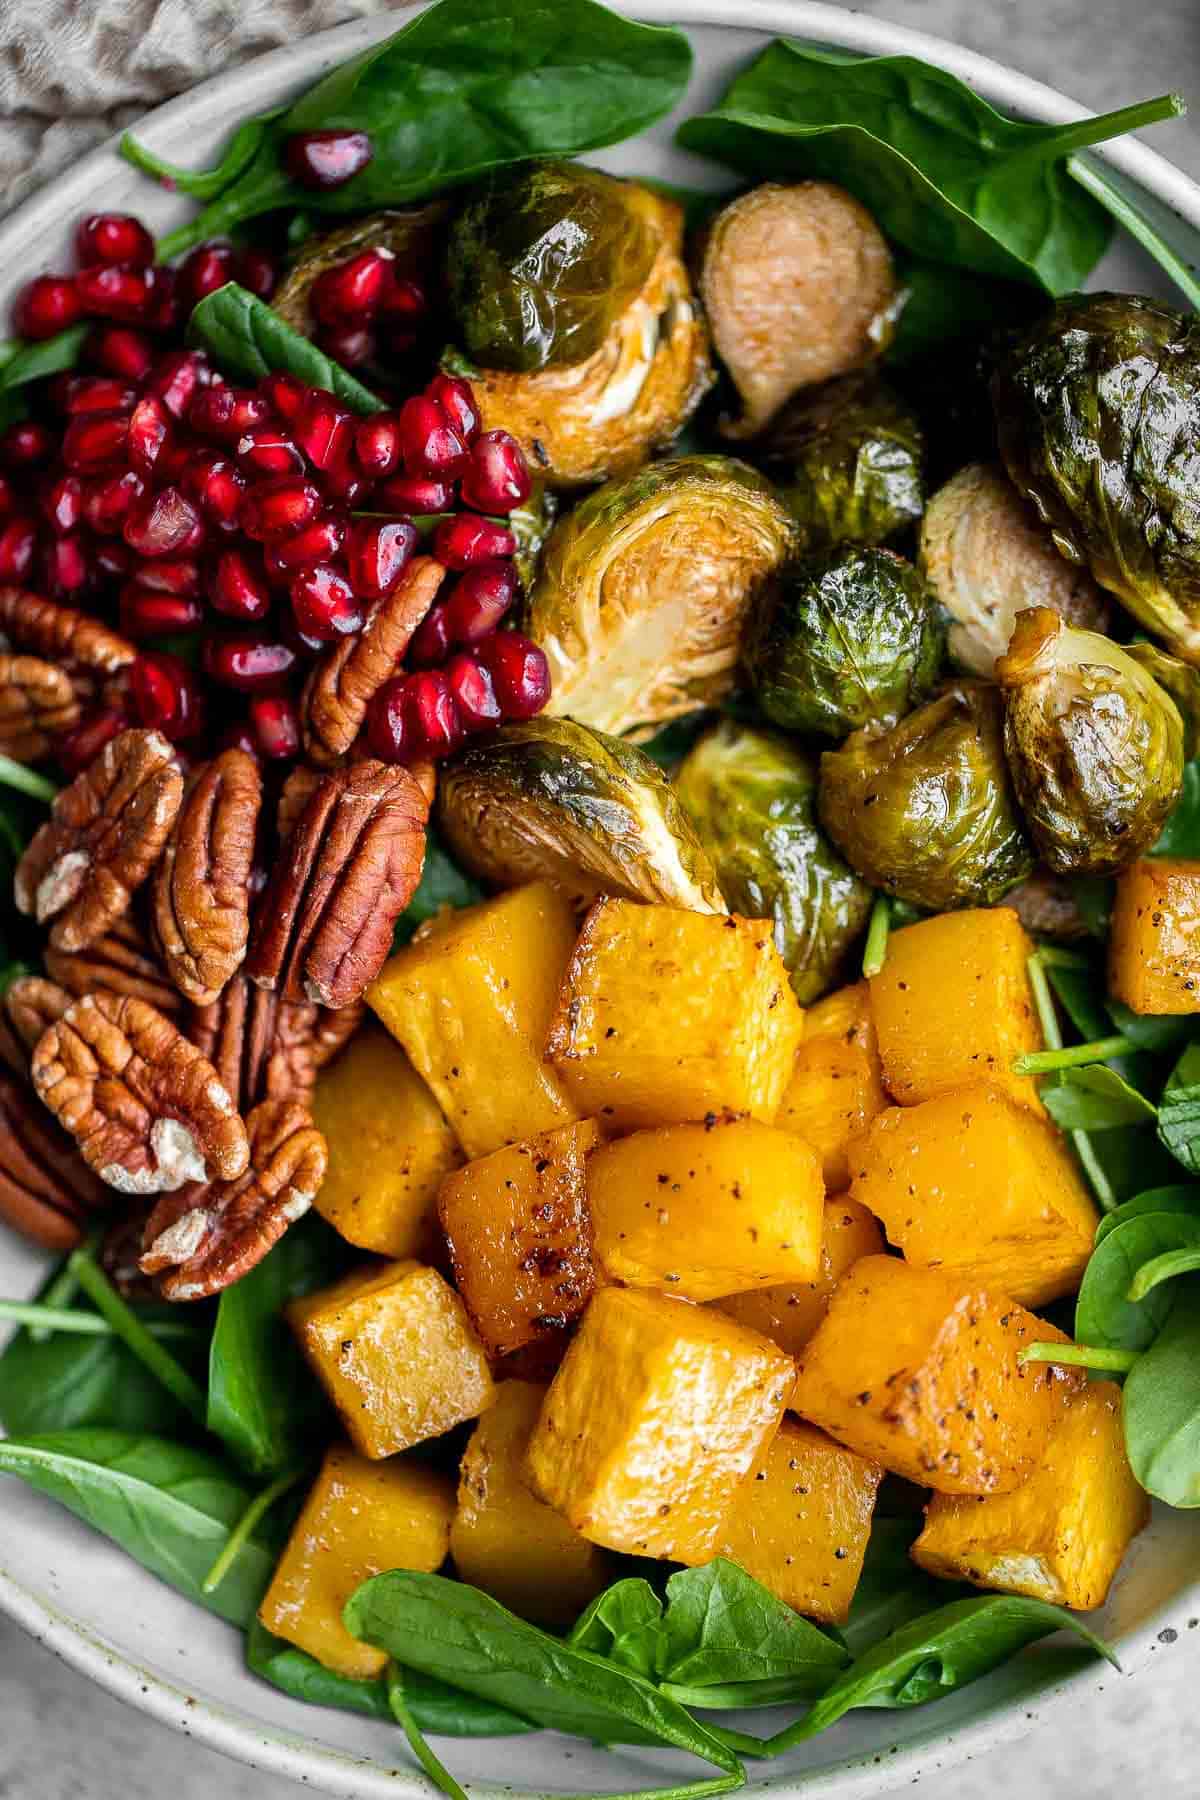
[[845, 638], [798, 285], [644, 589], [846, 459], [1182, 682], [551, 800], [1094, 744], [986, 558], [1096, 410], [926, 810], [531, 524], [412, 235], [752, 798]]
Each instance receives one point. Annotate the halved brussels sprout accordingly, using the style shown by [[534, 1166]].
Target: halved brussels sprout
[[551, 800], [1096, 409], [412, 235], [1182, 682], [644, 589], [986, 557], [845, 638], [1094, 744], [752, 798], [926, 811], [846, 459], [531, 525]]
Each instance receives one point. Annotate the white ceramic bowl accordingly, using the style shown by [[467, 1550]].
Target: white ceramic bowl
[[104, 1615]]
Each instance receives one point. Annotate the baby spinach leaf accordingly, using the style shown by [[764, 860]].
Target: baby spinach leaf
[[246, 337], [1161, 1405], [1180, 836], [891, 1589], [1095, 1098], [442, 885], [1179, 1124], [22, 361], [1186, 1072], [944, 174], [206, 184], [170, 1506], [722, 1626], [1179, 1199], [1101, 183], [61, 1382], [624, 1623], [1104, 1314], [1147, 1031], [1167, 1267], [1081, 995], [402, 1712]]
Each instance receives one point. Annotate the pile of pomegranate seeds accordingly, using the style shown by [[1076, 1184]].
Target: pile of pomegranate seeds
[[258, 525]]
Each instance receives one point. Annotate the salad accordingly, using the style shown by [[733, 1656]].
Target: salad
[[601, 788]]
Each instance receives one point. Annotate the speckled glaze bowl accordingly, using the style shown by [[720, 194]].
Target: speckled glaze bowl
[[80, 1595]]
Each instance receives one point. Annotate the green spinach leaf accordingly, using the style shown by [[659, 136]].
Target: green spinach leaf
[[1167, 1267], [1179, 1125], [721, 1626], [244, 336], [1147, 1031], [23, 361], [1103, 184], [624, 1623], [1081, 995], [1094, 1098], [1161, 1404], [891, 1589], [1176, 1199], [1104, 1313], [60, 1382], [442, 884], [1180, 836]]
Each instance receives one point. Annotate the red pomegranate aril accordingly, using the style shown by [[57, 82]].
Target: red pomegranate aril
[[377, 446], [47, 305], [75, 395], [342, 482], [80, 747], [325, 604], [252, 663], [113, 238], [62, 503], [238, 736], [496, 478], [351, 290], [227, 412], [519, 672], [403, 304], [112, 291], [416, 496], [456, 399], [474, 692], [279, 508], [326, 159], [18, 540], [167, 695], [173, 459], [319, 542], [144, 613], [176, 377], [390, 732], [107, 500], [149, 431], [238, 587], [377, 553], [324, 431], [95, 440], [65, 566], [216, 484], [435, 713], [208, 268], [171, 575], [430, 643], [121, 351], [112, 559], [256, 271], [276, 726], [268, 451], [167, 312], [466, 540], [8, 497], [164, 524], [284, 394], [350, 345], [428, 444], [25, 444], [479, 601]]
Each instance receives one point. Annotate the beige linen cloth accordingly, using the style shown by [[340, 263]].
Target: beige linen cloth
[[74, 71]]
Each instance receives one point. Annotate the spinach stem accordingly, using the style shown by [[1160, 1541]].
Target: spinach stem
[[243, 1530], [1057, 956], [1074, 1056], [48, 1319], [1099, 128], [26, 781], [1081, 1356], [1165, 1267], [402, 1713], [1052, 1032], [1101, 188], [133, 1333], [875, 949]]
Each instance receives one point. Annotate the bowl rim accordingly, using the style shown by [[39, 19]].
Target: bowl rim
[[289, 1754]]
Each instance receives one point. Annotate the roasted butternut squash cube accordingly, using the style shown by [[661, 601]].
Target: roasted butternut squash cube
[[359, 1519], [471, 999], [1154, 946], [801, 1525], [389, 1147], [790, 1313], [658, 1414], [666, 1016], [919, 1371], [977, 1186], [706, 1210], [520, 1236], [1061, 1536], [952, 1004], [836, 1087], [507, 1541], [395, 1351]]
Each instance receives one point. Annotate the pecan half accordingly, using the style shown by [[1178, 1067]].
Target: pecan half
[[31, 1005], [123, 961], [262, 1046], [73, 641], [335, 1026], [223, 1231], [324, 924], [37, 706], [146, 1109], [104, 835], [46, 1193], [340, 688], [294, 796], [201, 888]]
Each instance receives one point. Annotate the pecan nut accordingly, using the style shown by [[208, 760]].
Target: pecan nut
[[84, 649], [31, 1006], [202, 886], [46, 1193], [294, 796], [335, 1026], [147, 1111], [324, 924], [221, 1233], [262, 1046], [38, 705], [342, 684], [103, 837], [121, 962]]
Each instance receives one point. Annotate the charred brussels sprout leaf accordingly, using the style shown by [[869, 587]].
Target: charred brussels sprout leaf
[[1094, 744], [846, 638], [847, 462], [1181, 680], [530, 525], [752, 798], [550, 800], [645, 587], [926, 811], [1096, 412], [541, 262]]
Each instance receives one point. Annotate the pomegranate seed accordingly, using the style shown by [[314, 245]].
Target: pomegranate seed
[[107, 501], [208, 268], [24, 444], [403, 304], [276, 726], [252, 662], [78, 748], [226, 412], [377, 445], [467, 539], [113, 238], [351, 290], [324, 431], [378, 552], [318, 542], [111, 292], [325, 605], [496, 478], [430, 643], [414, 495], [350, 345], [238, 736], [428, 445], [65, 567], [164, 524], [119, 350], [149, 430], [17, 541], [216, 485], [456, 399], [256, 271], [278, 508], [390, 733], [167, 695], [112, 558], [474, 693], [343, 481], [94, 393], [519, 672], [94, 440], [166, 308], [239, 588], [171, 575], [480, 599], [47, 305], [146, 614], [326, 159], [176, 377], [435, 714], [62, 503], [7, 497], [285, 395], [173, 459], [268, 451]]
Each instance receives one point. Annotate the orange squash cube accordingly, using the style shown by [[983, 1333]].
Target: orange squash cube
[[1154, 946], [801, 1525], [1061, 1536], [790, 1313], [978, 1187], [919, 1371], [706, 1210], [394, 1350], [655, 1419], [837, 1086], [359, 1519]]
